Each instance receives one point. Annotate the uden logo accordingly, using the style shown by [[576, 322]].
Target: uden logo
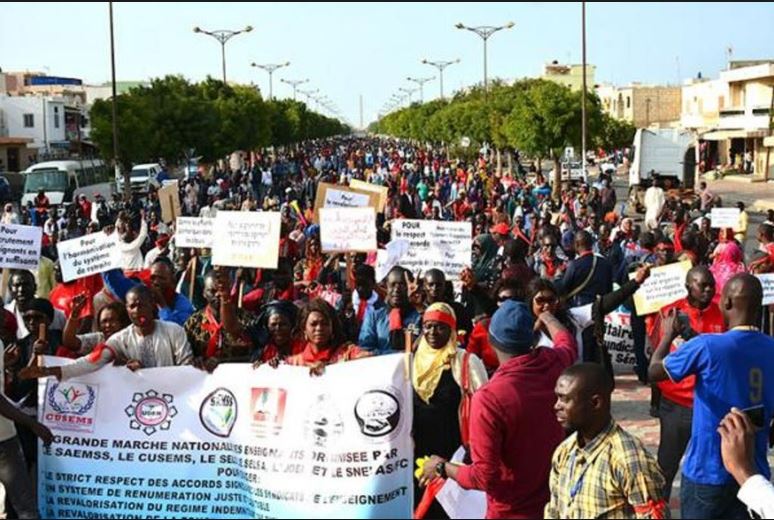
[[218, 412], [151, 412], [70, 406], [267, 406]]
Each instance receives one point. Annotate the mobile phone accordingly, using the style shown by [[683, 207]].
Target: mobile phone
[[686, 331], [757, 415]]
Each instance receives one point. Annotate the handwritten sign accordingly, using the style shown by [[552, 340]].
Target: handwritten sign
[[767, 281], [335, 196], [348, 229], [725, 218], [389, 257], [665, 285], [435, 245], [88, 255], [169, 198], [382, 191], [20, 246], [246, 239], [194, 232]]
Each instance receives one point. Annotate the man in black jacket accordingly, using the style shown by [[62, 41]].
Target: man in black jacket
[[587, 275]]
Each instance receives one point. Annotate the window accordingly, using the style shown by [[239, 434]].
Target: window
[[56, 120], [628, 101], [29, 120]]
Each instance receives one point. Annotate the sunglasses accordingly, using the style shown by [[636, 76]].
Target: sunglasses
[[543, 300]]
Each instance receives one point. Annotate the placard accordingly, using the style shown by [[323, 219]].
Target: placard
[[335, 196], [20, 246], [88, 255], [725, 218], [246, 239], [383, 191], [348, 229], [767, 281], [194, 232], [665, 285], [389, 257], [169, 199], [435, 245]]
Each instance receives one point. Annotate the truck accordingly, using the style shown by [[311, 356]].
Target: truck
[[669, 154]]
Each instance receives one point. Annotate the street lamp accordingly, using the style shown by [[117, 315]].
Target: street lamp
[[270, 68], [421, 82], [113, 102], [294, 83], [409, 92], [440, 65], [223, 35], [485, 32], [309, 94]]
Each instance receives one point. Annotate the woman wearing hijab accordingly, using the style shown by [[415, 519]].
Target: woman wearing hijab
[[437, 376], [728, 260], [276, 330], [479, 281], [310, 266]]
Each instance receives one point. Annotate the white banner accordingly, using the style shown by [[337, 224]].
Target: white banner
[[239, 443], [20, 246], [194, 232], [619, 341], [345, 199], [348, 229], [87, 255], [767, 281], [725, 218], [435, 245], [246, 239]]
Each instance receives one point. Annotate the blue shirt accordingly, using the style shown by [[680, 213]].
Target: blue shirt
[[375, 332], [735, 368], [119, 285]]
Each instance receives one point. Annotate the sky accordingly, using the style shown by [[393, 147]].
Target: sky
[[368, 49]]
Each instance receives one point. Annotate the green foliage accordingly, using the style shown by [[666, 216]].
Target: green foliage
[[172, 115]]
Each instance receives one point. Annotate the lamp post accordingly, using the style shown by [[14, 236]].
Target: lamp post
[[270, 68], [421, 82], [113, 102], [441, 65], [309, 94], [223, 35], [409, 92], [485, 32], [584, 130], [294, 83]]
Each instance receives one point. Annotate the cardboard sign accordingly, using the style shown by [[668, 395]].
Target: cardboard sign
[[169, 198], [20, 246], [383, 191], [665, 285], [88, 255], [335, 196], [246, 239], [194, 232], [389, 257], [435, 245], [767, 281], [725, 218], [348, 229]]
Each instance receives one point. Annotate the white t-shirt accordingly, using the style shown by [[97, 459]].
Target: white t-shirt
[[7, 428], [581, 317]]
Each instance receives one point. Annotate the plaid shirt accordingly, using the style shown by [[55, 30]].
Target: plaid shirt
[[613, 476]]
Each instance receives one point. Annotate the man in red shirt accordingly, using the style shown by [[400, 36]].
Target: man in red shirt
[[699, 315], [513, 429]]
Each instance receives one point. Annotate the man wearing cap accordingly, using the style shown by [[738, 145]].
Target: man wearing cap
[[513, 430]]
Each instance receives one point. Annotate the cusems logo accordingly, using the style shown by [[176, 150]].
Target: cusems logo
[[70, 406], [150, 412], [218, 412]]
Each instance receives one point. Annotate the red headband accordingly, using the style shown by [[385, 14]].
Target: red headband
[[441, 316]]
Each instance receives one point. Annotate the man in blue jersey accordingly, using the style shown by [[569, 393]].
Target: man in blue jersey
[[733, 369]]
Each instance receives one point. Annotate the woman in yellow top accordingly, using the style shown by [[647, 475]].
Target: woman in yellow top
[[437, 381]]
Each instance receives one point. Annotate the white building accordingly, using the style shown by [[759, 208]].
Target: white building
[[40, 118]]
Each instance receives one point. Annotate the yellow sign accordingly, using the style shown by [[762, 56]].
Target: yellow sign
[[665, 285]]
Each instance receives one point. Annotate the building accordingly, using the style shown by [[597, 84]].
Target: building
[[569, 75], [642, 105], [40, 84], [105, 90], [731, 115], [42, 120]]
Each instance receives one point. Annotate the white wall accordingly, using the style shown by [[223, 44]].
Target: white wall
[[14, 108]]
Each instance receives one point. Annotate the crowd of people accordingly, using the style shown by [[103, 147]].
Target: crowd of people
[[508, 362]]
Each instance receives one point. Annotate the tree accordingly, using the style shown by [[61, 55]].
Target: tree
[[614, 133]]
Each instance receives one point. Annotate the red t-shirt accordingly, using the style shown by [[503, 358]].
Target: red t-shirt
[[62, 295], [709, 320], [478, 344]]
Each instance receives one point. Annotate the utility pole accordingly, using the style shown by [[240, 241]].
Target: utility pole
[[361, 111], [584, 137], [223, 35], [114, 101], [270, 68], [485, 32], [421, 82], [294, 83], [441, 65]]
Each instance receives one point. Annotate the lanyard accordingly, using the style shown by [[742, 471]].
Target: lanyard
[[575, 489]]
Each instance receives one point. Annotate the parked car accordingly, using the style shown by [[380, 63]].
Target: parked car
[[142, 178], [573, 172]]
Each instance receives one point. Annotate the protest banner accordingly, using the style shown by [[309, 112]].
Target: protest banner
[[246, 239], [767, 281], [347, 229], [389, 257], [87, 255], [435, 245], [619, 342], [169, 198], [725, 218], [176, 442], [665, 285], [20, 246], [335, 196], [383, 191], [194, 232]]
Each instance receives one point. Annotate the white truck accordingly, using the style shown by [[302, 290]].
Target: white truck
[[669, 153]]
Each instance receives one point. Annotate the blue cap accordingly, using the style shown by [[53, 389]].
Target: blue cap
[[511, 328]]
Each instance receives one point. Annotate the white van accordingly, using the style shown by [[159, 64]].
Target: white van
[[64, 181], [142, 177]]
